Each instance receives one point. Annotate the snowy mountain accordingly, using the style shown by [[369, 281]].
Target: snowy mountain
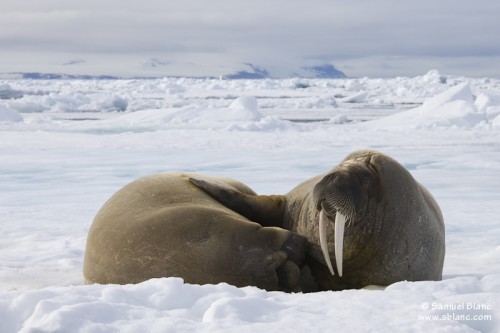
[[322, 72], [325, 71], [255, 72], [56, 76], [157, 68]]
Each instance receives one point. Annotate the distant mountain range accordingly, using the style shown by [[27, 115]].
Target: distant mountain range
[[254, 72], [326, 71], [52, 76]]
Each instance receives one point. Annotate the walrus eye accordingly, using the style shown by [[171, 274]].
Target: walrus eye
[[367, 180]]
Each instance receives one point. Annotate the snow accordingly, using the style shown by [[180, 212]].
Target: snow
[[9, 115], [68, 145], [452, 108]]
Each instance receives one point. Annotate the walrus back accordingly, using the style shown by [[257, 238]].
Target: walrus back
[[165, 226]]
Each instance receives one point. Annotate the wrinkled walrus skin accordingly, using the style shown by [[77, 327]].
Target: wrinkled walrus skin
[[394, 229], [165, 226]]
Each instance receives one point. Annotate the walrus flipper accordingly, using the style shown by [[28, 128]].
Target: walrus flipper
[[267, 210]]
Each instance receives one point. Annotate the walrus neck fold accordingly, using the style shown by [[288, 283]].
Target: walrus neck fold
[[267, 210]]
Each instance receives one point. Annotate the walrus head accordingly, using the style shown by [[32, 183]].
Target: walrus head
[[343, 196]]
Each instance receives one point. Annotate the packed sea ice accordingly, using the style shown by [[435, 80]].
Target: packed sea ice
[[68, 145]]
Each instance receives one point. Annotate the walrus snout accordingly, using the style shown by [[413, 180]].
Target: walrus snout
[[338, 196], [339, 191]]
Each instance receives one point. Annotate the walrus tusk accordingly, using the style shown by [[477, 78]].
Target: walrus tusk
[[323, 228], [339, 240]]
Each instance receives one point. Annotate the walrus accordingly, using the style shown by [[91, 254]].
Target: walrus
[[387, 226], [165, 226]]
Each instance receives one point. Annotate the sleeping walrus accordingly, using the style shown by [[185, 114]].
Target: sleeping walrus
[[387, 228], [163, 225]]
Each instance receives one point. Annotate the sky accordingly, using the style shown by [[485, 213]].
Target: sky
[[384, 38]]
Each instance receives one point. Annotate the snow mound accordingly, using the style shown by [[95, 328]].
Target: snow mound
[[68, 101], [460, 92], [489, 104], [243, 108], [358, 97], [339, 119], [433, 76], [495, 122], [454, 107], [168, 305], [6, 92], [241, 115], [9, 115]]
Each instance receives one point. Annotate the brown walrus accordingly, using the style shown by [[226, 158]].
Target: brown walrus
[[165, 226], [394, 228]]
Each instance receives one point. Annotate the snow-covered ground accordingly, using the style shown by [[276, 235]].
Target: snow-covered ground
[[66, 146]]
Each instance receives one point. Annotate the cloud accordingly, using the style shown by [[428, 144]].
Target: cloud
[[74, 62], [226, 33]]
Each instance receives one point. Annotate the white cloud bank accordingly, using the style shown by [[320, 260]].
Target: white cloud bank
[[383, 38]]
